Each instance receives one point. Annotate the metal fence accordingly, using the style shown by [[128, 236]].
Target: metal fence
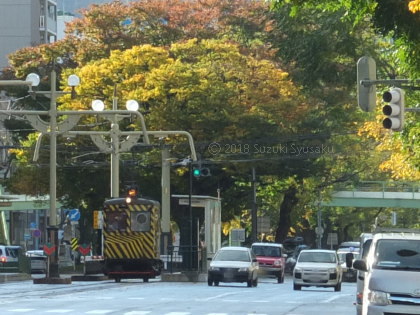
[[184, 258]]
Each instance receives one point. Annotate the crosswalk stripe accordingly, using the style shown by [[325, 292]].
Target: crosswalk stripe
[[136, 298], [99, 311]]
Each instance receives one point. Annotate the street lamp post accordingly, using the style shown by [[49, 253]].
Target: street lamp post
[[52, 129], [64, 127]]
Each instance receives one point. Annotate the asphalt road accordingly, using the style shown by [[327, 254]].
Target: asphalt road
[[134, 297]]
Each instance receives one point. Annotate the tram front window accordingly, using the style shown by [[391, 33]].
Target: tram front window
[[117, 221]]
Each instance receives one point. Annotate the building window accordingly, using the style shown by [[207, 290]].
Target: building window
[[52, 12]]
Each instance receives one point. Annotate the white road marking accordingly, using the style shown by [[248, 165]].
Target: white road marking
[[104, 297], [136, 298], [59, 311], [137, 313], [178, 313], [99, 311], [335, 297], [215, 297], [22, 310]]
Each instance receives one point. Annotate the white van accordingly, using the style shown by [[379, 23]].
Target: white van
[[38, 261], [392, 274]]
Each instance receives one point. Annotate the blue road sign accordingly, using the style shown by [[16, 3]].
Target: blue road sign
[[74, 215]]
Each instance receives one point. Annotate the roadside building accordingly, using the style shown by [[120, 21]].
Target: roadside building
[[25, 23]]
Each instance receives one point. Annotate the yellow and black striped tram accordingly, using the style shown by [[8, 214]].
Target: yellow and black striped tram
[[131, 238]]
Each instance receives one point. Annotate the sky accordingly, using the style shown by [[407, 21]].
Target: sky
[[73, 5]]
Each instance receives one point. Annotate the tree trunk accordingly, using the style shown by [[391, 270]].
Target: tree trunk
[[289, 202]]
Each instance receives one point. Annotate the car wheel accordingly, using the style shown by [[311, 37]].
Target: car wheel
[[296, 286], [210, 282], [337, 288]]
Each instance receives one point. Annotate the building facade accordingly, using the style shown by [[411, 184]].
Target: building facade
[[25, 23]]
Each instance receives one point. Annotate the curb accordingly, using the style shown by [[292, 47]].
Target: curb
[[14, 277]]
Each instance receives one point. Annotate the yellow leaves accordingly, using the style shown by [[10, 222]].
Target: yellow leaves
[[399, 168], [397, 161], [230, 225], [414, 6]]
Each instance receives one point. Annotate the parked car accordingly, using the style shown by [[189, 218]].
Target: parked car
[[349, 273], [38, 261], [291, 260], [233, 264], [392, 274], [317, 267], [271, 259], [9, 258], [351, 246]]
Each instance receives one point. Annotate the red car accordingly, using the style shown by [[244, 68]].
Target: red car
[[271, 259]]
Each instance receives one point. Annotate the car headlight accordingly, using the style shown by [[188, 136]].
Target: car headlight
[[277, 263], [243, 269], [332, 270], [379, 298], [214, 268], [299, 270]]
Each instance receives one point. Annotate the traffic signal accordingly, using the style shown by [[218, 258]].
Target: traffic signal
[[394, 109], [201, 171], [366, 93], [132, 193]]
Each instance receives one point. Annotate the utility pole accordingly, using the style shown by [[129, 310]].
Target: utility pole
[[254, 207]]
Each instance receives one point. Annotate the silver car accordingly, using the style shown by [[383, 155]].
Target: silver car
[[233, 264], [38, 261], [319, 268]]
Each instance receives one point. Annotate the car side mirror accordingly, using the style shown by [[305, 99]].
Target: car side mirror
[[360, 264], [349, 260], [209, 258], [254, 260], [284, 255]]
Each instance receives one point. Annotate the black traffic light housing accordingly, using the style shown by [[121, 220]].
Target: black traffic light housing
[[394, 109], [201, 171]]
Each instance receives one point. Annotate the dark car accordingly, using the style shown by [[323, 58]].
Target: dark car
[[291, 260], [233, 264]]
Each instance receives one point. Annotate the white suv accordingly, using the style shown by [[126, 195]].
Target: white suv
[[392, 274], [9, 258], [319, 268]]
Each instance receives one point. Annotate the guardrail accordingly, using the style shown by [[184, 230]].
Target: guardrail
[[381, 187], [184, 258]]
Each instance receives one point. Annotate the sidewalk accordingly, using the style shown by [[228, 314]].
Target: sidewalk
[[8, 277]]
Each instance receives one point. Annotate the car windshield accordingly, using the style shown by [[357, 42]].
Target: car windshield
[[271, 251], [232, 255], [397, 254], [318, 257]]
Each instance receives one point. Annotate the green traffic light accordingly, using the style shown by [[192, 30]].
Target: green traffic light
[[196, 172]]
